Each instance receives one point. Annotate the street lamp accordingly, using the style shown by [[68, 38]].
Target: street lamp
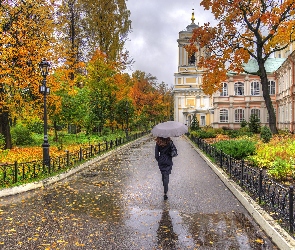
[[44, 67]]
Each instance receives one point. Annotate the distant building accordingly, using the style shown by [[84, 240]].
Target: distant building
[[189, 99], [240, 96], [285, 94]]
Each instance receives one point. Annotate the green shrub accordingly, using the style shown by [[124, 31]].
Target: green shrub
[[205, 134], [106, 131], [195, 125], [280, 169], [238, 149], [265, 134], [244, 124], [254, 124], [35, 126], [232, 133], [21, 135]]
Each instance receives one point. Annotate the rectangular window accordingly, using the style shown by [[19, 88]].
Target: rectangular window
[[223, 115], [255, 88], [239, 88], [271, 87], [256, 112], [224, 90], [239, 115], [203, 120]]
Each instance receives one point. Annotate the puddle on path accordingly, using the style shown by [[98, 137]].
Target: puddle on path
[[171, 229]]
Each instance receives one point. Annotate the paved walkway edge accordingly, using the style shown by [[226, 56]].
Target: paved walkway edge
[[277, 234], [50, 180]]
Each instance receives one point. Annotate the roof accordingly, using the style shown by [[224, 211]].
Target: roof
[[271, 65]]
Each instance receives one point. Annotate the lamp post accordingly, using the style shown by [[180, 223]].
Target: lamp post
[[44, 67]]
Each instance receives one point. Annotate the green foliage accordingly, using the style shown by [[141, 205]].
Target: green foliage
[[281, 168], [265, 134], [244, 124], [203, 134], [35, 125], [21, 135], [254, 124], [195, 125], [239, 149]]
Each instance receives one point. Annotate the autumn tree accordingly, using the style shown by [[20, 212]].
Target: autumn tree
[[245, 29], [106, 26], [151, 99], [100, 81], [87, 25], [26, 37]]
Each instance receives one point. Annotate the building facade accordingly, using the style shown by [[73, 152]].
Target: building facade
[[189, 99], [285, 95], [239, 97]]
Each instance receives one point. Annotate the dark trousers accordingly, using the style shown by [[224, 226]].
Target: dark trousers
[[165, 180]]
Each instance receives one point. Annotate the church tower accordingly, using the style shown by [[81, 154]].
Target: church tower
[[189, 99]]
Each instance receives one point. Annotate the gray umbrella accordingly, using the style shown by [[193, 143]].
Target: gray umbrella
[[169, 129]]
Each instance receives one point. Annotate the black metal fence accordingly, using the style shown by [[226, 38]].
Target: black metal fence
[[11, 174], [273, 197]]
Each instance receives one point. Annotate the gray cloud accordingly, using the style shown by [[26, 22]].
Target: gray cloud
[[155, 28]]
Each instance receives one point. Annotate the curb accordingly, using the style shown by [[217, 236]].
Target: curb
[[51, 180], [274, 231]]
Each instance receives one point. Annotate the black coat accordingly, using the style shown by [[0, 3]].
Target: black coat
[[164, 159]]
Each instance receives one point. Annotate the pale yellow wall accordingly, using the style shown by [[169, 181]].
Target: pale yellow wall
[[190, 80], [190, 102]]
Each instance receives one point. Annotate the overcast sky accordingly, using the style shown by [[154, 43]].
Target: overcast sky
[[155, 28]]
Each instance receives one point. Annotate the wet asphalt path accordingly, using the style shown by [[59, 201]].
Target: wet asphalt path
[[117, 203]]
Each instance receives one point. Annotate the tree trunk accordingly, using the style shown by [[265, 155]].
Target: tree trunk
[[5, 129], [267, 99]]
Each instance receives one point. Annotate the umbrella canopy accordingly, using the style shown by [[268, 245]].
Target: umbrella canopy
[[169, 129]]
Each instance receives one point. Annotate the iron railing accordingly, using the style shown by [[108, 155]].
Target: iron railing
[[11, 174], [273, 197]]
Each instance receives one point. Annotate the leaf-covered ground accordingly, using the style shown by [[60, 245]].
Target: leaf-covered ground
[[118, 203]]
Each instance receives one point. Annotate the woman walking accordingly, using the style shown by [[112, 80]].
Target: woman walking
[[164, 159]]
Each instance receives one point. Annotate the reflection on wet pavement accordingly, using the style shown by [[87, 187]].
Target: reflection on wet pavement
[[118, 204]]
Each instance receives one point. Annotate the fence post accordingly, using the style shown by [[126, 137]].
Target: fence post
[[107, 146], [15, 172], [68, 158], [81, 154], [111, 144], [260, 186], [230, 166], [291, 215], [242, 173], [91, 150], [220, 158]]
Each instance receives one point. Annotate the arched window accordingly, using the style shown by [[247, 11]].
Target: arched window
[[255, 88], [239, 88], [239, 115], [223, 115], [192, 59], [256, 112], [271, 87], [223, 91]]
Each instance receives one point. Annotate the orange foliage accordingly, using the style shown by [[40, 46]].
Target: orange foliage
[[245, 29], [28, 154]]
